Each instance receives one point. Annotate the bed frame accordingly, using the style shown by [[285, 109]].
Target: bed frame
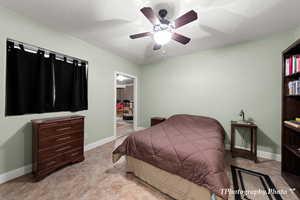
[[170, 184]]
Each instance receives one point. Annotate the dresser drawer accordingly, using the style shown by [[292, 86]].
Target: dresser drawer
[[52, 162], [62, 123], [41, 173], [48, 142], [74, 155], [59, 129], [59, 149], [57, 125]]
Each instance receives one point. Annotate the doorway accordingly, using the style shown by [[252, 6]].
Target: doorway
[[125, 113]]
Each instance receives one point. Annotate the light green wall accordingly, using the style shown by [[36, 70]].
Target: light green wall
[[219, 83], [15, 132], [297, 33]]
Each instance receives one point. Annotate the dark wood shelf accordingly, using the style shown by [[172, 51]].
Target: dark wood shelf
[[293, 149], [293, 181], [290, 139], [293, 95], [291, 47], [292, 128], [295, 75]]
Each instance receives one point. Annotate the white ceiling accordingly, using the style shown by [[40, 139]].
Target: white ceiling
[[108, 23]]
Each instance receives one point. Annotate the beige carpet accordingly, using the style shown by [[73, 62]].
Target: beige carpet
[[97, 178]]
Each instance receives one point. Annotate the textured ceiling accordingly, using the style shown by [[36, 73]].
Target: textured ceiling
[[108, 23]]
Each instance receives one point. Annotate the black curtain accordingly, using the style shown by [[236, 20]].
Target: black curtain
[[84, 84], [26, 82], [36, 84], [79, 92], [45, 84], [63, 85]]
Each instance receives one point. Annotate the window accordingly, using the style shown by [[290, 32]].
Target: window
[[36, 83]]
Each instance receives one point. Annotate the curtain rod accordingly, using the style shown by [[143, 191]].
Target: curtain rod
[[31, 47]]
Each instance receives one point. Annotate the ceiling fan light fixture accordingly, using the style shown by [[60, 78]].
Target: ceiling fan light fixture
[[163, 29], [162, 37]]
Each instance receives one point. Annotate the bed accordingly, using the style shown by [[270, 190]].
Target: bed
[[182, 157]]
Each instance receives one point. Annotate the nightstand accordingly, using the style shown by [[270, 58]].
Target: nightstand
[[236, 152], [157, 120]]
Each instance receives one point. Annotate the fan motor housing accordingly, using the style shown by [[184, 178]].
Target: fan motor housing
[[162, 13]]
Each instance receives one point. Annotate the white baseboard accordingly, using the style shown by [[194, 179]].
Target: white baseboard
[[99, 143], [15, 173], [260, 154], [5, 177]]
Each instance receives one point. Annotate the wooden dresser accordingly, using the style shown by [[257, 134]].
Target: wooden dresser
[[56, 142]]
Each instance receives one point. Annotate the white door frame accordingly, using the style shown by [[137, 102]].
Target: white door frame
[[135, 103]]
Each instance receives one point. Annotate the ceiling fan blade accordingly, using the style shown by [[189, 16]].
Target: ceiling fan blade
[[139, 35], [150, 15], [156, 47], [186, 18], [180, 38]]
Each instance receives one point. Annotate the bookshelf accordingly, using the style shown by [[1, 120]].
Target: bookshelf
[[290, 161]]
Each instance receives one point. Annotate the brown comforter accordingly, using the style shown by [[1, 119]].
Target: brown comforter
[[189, 146]]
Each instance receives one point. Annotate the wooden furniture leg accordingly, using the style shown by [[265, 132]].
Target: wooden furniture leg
[[232, 141], [255, 144], [252, 143]]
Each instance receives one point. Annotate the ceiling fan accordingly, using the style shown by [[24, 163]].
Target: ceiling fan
[[163, 29]]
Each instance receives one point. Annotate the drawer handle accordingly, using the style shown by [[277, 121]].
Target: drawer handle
[[64, 148], [65, 138], [51, 163], [74, 154], [63, 129]]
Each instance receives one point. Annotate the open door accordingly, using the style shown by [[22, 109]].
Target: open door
[[125, 104]]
